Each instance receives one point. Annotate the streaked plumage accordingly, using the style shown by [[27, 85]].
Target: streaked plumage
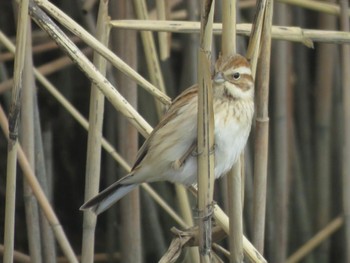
[[169, 154]]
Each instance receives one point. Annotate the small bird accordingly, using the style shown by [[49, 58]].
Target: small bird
[[169, 153]]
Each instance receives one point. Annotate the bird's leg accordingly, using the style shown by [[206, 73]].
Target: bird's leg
[[191, 150]]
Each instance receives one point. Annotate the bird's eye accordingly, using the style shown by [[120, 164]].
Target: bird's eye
[[236, 75]]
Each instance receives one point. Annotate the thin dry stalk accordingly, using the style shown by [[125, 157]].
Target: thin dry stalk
[[27, 141], [282, 61], [43, 173], [325, 63], [205, 126], [17, 256], [294, 34], [262, 129], [75, 28], [234, 179], [151, 54], [163, 37], [88, 68], [345, 55], [130, 206], [106, 145], [327, 8], [93, 159], [10, 206], [316, 240], [46, 69], [41, 197]]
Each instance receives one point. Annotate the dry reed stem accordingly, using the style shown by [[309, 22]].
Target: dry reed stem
[[205, 141], [250, 251], [345, 60], [319, 6], [106, 145], [89, 69], [294, 34], [261, 130], [76, 29], [40, 195], [11, 173], [45, 69], [151, 54], [18, 257], [27, 141], [163, 37], [316, 240], [282, 60], [93, 159], [234, 182]]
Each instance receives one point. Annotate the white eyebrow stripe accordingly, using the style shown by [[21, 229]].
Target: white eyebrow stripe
[[243, 70]]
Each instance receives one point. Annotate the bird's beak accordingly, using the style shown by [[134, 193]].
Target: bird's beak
[[219, 78]]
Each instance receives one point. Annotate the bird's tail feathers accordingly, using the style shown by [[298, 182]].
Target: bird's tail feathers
[[108, 197]]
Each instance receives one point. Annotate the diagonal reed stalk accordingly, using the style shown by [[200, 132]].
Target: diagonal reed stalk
[[205, 141], [40, 195], [75, 28], [9, 233], [93, 159], [151, 54]]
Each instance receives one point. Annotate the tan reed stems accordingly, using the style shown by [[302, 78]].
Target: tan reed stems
[[205, 141], [27, 142], [46, 69], [345, 63], [163, 37], [106, 145], [294, 34], [151, 54], [320, 6], [40, 195], [262, 129], [282, 60], [234, 180], [17, 256], [76, 29], [10, 205], [42, 171], [93, 159], [88, 68], [130, 205], [324, 80], [316, 240]]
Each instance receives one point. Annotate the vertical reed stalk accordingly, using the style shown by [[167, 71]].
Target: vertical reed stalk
[[262, 129], [93, 159], [126, 48], [234, 180], [323, 117], [163, 37], [27, 141], [345, 60], [205, 126], [9, 233], [39, 194], [282, 77]]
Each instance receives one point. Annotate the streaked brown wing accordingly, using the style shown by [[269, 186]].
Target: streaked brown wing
[[177, 104]]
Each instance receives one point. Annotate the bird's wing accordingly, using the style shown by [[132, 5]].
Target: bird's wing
[[177, 104]]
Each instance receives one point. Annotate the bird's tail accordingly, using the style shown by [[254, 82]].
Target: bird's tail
[[108, 197]]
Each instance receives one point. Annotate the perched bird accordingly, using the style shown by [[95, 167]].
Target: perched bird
[[169, 153]]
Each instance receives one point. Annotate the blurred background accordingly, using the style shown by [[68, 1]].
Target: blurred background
[[306, 133]]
